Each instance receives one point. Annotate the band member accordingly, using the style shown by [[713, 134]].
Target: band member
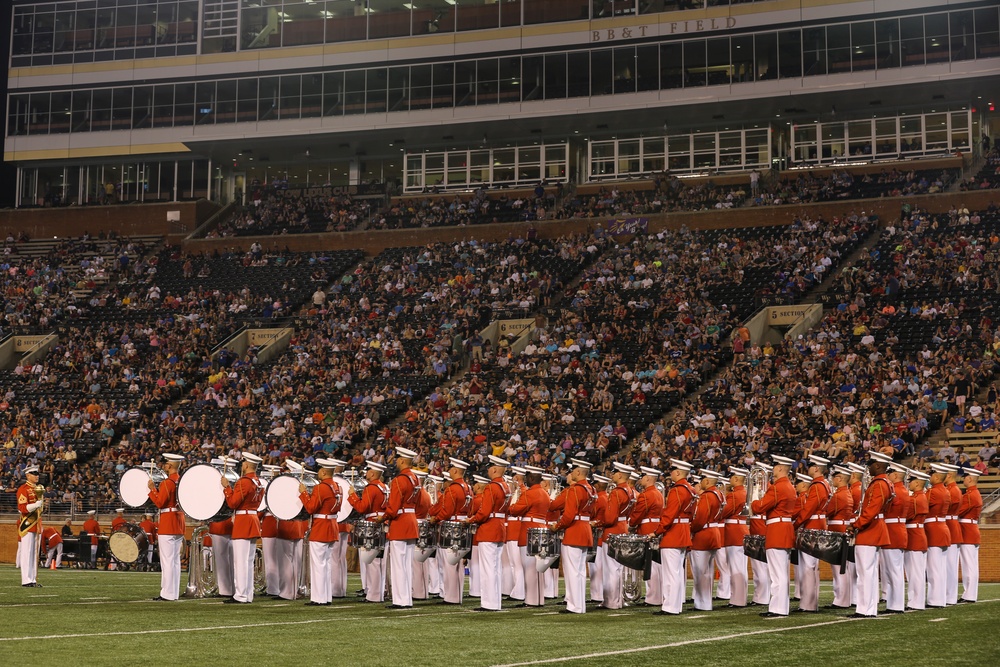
[[839, 519], [621, 500], [119, 519], [779, 504], [338, 560], [915, 558], [532, 507], [370, 505], [401, 515], [491, 519], [599, 567], [968, 517], [52, 542], [802, 483], [955, 528], [222, 553], [290, 536], [646, 518], [722, 585], [734, 530], [93, 529], [271, 551], [581, 500], [149, 528], [761, 579], [551, 484], [170, 530], [30, 504], [674, 531], [513, 574], [454, 505], [419, 572], [938, 537], [812, 516], [323, 503], [891, 556], [871, 535], [479, 485], [432, 568], [244, 497], [857, 475], [706, 537]]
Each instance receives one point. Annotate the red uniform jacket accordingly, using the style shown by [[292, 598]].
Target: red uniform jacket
[[224, 527], [117, 523], [423, 503], [600, 509], [706, 523], [675, 518], [813, 512], [954, 527], [870, 524], [244, 497], [372, 500], [292, 530], [840, 510], [455, 502], [26, 496], [621, 500], [149, 528], [856, 494], [401, 510], [968, 515], [533, 508], [268, 526], [477, 502], [51, 537], [734, 525], [165, 498], [581, 504], [938, 504], [514, 523], [916, 536], [779, 504], [646, 513], [93, 529], [491, 517], [324, 505], [895, 516]]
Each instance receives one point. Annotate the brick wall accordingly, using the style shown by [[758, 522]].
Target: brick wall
[[126, 219]]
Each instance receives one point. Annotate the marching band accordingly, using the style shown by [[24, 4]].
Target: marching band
[[887, 531]]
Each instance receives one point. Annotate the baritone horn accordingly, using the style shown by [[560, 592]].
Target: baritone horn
[[757, 483]]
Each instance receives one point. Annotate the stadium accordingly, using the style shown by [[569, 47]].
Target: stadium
[[365, 239]]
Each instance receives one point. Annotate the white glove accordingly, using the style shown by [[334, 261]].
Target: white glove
[[34, 506]]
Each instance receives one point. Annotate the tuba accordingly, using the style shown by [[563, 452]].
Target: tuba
[[201, 566], [757, 482], [431, 487], [555, 487], [631, 585]]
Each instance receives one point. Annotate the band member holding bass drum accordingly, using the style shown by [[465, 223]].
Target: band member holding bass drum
[[645, 519], [839, 519], [370, 505], [244, 499]]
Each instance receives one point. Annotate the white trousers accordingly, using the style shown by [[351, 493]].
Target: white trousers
[[374, 580], [654, 587], [552, 582], [452, 578], [614, 572], [289, 568], [434, 575], [723, 587], [969, 555], [55, 553], [28, 558], [937, 573], [321, 556], [170, 565], [512, 553], [490, 575], [808, 585], [915, 568], [777, 572], [534, 581], [672, 580], [843, 586], [597, 573], [244, 552], [17, 556], [272, 556], [797, 571], [866, 560], [222, 552], [401, 571], [93, 558], [338, 567], [761, 582], [574, 564], [852, 572], [702, 572], [952, 556], [736, 562], [895, 583], [418, 589], [474, 566]]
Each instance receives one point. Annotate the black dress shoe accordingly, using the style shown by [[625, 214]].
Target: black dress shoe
[[398, 606], [754, 604], [317, 604], [484, 609], [912, 609], [857, 615], [771, 614], [454, 604], [567, 611], [935, 606], [964, 601], [834, 606], [893, 611], [235, 601], [660, 612], [800, 610], [160, 598], [734, 606], [361, 593], [522, 605]]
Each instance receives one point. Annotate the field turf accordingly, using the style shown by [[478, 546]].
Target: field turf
[[86, 617]]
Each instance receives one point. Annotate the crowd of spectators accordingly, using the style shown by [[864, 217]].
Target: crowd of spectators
[[271, 211], [988, 176]]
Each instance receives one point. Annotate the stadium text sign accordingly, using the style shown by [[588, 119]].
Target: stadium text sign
[[672, 28], [786, 314], [621, 226]]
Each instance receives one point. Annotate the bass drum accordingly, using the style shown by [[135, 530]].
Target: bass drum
[[824, 545], [129, 543], [133, 487], [200, 495], [629, 550], [282, 497], [346, 511]]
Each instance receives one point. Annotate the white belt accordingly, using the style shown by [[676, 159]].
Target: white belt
[[495, 515], [968, 521], [715, 525], [682, 520], [736, 521], [914, 525], [783, 519], [246, 511], [460, 518], [933, 519], [373, 515], [650, 521], [878, 516], [895, 520], [169, 509], [324, 516], [838, 522], [582, 518], [408, 510], [952, 517], [816, 517], [536, 520]]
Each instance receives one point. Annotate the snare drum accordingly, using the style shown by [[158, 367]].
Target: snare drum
[[369, 538], [455, 537], [199, 493], [426, 540], [282, 496], [133, 487], [129, 543], [543, 542], [754, 547]]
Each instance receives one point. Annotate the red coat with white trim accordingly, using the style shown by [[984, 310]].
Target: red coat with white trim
[[870, 524], [244, 497], [491, 516], [324, 501], [674, 527], [533, 508], [734, 525], [938, 505], [165, 498], [780, 504], [812, 515], [916, 514], [706, 535], [401, 510], [840, 510], [968, 515], [895, 516], [581, 503], [647, 511]]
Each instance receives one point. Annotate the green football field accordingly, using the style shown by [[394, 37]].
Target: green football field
[[85, 617]]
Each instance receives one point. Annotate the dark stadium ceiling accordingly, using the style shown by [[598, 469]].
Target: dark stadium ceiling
[[710, 115]]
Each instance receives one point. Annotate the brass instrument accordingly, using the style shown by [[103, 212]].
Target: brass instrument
[[631, 585], [34, 516], [555, 487], [431, 487], [757, 482], [305, 571], [866, 480], [201, 567]]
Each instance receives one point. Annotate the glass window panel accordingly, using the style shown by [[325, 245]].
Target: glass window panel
[[838, 43], [647, 64], [312, 95], [261, 27], [886, 142], [183, 104], [672, 65], [719, 62], [22, 37], [987, 33], [962, 35], [354, 91], [487, 81], [628, 156], [398, 88], [742, 56], [814, 51], [766, 52], [44, 30], [100, 111], [625, 70], [420, 87], [60, 114], [910, 134], [444, 85], [121, 109], [555, 76], [478, 15], [887, 46], [376, 87], [388, 18], [458, 164], [601, 72], [510, 12], [859, 138], [65, 31], [548, 12], [479, 166], [533, 73], [790, 54], [81, 110], [302, 23], [936, 37], [267, 100], [694, 63], [602, 159], [246, 100], [959, 128], [431, 16], [936, 127], [653, 154], [510, 80], [290, 96]]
